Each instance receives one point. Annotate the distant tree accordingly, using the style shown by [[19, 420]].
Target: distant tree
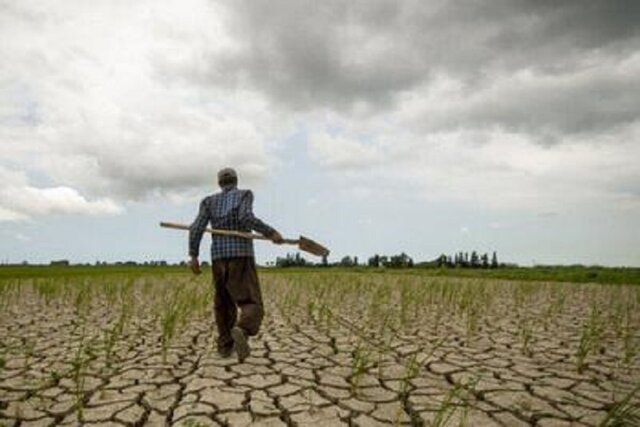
[[398, 261], [291, 261], [346, 261], [475, 260], [324, 261], [374, 261], [494, 260], [484, 260]]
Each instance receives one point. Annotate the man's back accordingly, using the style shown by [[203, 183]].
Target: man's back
[[230, 209]]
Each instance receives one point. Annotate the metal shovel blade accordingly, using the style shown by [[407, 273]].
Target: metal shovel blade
[[308, 245]]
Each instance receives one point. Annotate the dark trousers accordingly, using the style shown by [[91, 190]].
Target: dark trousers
[[236, 286]]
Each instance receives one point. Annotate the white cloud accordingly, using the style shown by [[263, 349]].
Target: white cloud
[[495, 169], [9, 215], [85, 104], [31, 201], [594, 98], [19, 200]]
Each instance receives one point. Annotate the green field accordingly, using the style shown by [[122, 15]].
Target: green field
[[573, 274]]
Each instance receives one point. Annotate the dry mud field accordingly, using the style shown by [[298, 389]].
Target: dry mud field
[[335, 349]]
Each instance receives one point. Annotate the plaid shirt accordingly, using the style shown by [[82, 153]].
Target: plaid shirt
[[231, 209]]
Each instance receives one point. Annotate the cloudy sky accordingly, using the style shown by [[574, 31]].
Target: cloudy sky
[[370, 125]]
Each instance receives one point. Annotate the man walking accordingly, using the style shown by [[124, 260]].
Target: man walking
[[233, 264]]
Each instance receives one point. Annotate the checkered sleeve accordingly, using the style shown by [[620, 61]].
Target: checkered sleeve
[[248, 219], [197, 228]]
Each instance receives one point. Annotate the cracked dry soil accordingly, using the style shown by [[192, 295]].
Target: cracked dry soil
[[355, 349]]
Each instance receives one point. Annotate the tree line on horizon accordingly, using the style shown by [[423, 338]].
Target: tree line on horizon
[[466, 260], [402, 260], [460, 259]]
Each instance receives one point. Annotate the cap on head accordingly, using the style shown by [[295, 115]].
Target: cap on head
[[227, 176]]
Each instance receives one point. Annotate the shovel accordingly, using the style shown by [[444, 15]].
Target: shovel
[[304, 243]]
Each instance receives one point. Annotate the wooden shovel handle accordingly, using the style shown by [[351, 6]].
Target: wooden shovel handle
[[221, 232]]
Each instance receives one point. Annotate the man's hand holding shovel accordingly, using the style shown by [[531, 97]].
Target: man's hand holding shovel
[[276, 238], [195, 265]]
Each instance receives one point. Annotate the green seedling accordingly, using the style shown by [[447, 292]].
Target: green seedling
[[172, 317], [113, 334], [631, 344], [78, 369], [626, 412], [589, 339], [526, 335], [472, 314], [411, 371], [360, 365], [457, 398], [47, 290], [54, 377]]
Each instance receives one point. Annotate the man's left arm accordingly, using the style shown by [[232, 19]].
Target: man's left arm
[[249, 220]]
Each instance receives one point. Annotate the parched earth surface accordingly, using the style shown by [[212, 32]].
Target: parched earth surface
[[364, 355]]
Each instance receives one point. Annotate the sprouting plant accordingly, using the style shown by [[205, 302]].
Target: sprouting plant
[[190, 422], [78, 368], [411, 371], [456, 398], [437, 320], [113, 334], [311, 306], [526, 335], [47, 289], [82, 300], [173, 315], [54, 377], [561, 297], [630, 342], [406, 300], [472, 320], [360, 365], [623, 413], [28, 347], [589, 338]]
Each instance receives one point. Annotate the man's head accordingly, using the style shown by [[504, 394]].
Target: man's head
[[227, 176]]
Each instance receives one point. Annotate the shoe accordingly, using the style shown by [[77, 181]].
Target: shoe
[[241, 343], [225, 352]]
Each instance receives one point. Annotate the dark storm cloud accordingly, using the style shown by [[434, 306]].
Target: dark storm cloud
[[345, 54]]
